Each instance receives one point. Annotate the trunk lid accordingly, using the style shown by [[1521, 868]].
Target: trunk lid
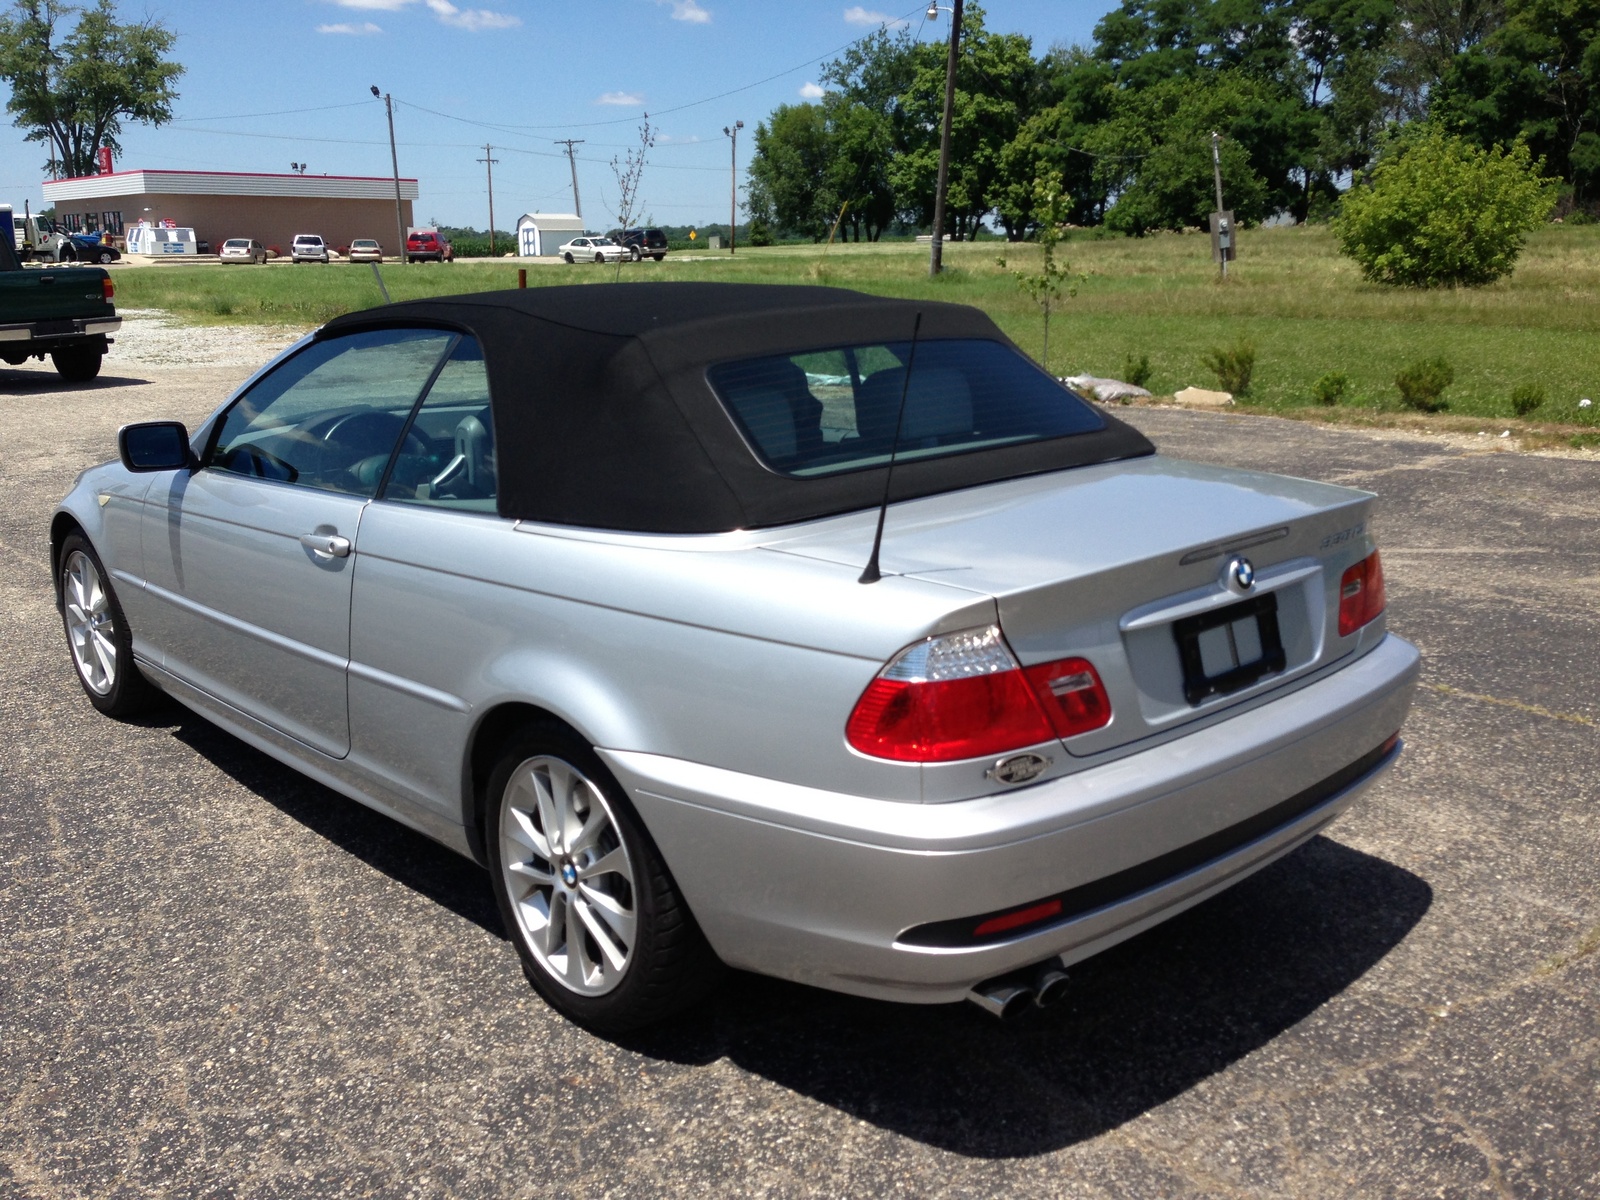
[[1121, 563]]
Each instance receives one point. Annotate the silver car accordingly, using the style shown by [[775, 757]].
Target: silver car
[[592, 249], [308, 247], [793, 629], [243, 250]]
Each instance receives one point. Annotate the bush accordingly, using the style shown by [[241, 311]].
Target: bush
[[1330, 389], [1526, 397], [1422, 384], [1443, 212], [1233, 366], [1136, 370]]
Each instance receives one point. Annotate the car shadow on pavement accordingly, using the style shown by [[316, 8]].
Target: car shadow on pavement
[[41, 383], [384, 844], [1143, 1023]]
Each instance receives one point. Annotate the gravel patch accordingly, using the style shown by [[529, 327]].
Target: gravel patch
[[152, 337]]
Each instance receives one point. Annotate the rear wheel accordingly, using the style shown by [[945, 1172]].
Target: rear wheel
[[568, 256], [633, 253], [97, 634], [106, 257], [77, 364], [658, 257], [603, 934]]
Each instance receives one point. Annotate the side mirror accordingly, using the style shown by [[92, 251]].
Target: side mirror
[[154, 446]]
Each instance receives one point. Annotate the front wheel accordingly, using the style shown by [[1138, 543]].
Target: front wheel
[[97, 634], [594, 914], [77, 364], [600, 258]]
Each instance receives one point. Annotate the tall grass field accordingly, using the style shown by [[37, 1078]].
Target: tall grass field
[[1305, 310]]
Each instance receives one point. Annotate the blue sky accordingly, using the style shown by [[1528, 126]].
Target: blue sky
[[281, 81]]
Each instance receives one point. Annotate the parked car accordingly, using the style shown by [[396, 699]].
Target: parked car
[[365, 250], [308, 247], [243, 250], [810, 632], [90, 247], [641, 242], [591, 249], [429, 245]]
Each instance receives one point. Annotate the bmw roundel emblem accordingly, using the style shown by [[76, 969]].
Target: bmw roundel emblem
[[1241, 574], [569, 874]]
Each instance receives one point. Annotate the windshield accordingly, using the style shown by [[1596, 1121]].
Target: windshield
[[235, 244], [829, 411]]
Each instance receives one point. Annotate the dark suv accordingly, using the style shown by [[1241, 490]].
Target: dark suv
[[640, 242]]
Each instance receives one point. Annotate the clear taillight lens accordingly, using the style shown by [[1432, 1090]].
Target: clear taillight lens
[[1361, 594], [964, 695]]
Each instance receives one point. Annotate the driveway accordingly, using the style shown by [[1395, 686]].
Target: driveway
[[219, 979]]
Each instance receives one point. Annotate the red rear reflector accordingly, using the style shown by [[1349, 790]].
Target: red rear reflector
[[1014, 920], [1071, 694], [106, 289], [1361, 594]]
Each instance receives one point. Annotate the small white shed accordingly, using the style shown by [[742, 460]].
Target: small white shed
[[156, 239], [539, 234]]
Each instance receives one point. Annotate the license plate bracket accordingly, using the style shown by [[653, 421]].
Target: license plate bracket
[[1229, 648]]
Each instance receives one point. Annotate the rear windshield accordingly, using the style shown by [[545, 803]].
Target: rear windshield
[[824, 412], [236, 244], [307, 240]]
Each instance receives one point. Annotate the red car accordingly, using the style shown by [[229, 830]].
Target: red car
[[428, 245]]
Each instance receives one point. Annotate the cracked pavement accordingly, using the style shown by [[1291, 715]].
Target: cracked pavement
[[220, 979]]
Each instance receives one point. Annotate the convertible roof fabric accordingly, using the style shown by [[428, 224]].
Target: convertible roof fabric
[[603, 416]]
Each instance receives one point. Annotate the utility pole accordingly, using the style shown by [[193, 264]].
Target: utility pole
[[936, 256], [394, 162], [1216, 172], [489, 163], [570, 143], [733, 186]]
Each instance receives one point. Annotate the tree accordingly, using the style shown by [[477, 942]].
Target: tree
[[74, 93], [789, 172], [1044, 286], [1441, 211]]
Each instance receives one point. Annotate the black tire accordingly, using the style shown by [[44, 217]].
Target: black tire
[[600, 260], [106, 257], [126, 693], [77, 364], [633, 253], [658, 257], [67, 254], [670, 965], [568, 256]]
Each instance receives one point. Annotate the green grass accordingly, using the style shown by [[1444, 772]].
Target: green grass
[[1305, 309]]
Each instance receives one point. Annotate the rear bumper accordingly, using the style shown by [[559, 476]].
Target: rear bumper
[[820, 887], [60, 331]]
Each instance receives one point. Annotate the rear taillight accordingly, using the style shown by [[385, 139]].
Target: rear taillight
[[964, 695], [1361, 597], [106, 289]]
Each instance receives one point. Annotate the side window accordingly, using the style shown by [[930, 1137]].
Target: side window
[[448, 457], [332, 415]]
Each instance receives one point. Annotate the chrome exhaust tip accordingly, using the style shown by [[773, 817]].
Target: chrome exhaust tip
[[1001, 1000], [1050, 988]]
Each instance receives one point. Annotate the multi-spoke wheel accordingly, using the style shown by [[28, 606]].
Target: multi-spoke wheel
[[603, 934], [97, 634]]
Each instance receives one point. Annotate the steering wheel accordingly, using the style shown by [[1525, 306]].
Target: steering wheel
[[367, 432]]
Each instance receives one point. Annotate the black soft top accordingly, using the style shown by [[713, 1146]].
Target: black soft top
[[603, 416]]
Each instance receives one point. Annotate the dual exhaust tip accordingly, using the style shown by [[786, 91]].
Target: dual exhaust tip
[[1011, 995]]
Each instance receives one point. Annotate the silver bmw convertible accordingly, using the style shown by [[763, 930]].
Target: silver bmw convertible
[[793, 629]]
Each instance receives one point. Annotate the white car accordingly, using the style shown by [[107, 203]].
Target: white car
[[593, 249], [308, 247], [243, 250]]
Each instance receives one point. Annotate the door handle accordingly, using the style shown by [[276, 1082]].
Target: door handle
[[326, 545]]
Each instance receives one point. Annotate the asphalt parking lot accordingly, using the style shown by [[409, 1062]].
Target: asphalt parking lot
[[219, 979]]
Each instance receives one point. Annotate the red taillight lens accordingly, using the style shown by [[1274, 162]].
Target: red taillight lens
[[964, 696], [1072, 696], [1361, 594], [106, 289]]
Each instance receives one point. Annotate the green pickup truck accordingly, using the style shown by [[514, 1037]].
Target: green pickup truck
[[65, 312]]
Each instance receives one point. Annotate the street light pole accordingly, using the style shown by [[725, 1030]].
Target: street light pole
[[936, 254], [733, 186], [394, 162]]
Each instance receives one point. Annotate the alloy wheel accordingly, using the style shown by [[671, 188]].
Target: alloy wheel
[[568, 875], [91, 628]]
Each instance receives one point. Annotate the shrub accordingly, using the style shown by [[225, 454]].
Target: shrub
[[1330, 389], [1233, 366], [1136, 370], [1443, 212], [1526, 397], [1423, 383]]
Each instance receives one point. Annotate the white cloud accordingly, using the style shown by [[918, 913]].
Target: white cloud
[[856, 15], [667, 139], [622, 99], [473, 20], [811, 91], [362, 30], [688, 10]]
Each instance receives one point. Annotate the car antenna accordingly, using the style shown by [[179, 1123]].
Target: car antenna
[[870, 573]]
